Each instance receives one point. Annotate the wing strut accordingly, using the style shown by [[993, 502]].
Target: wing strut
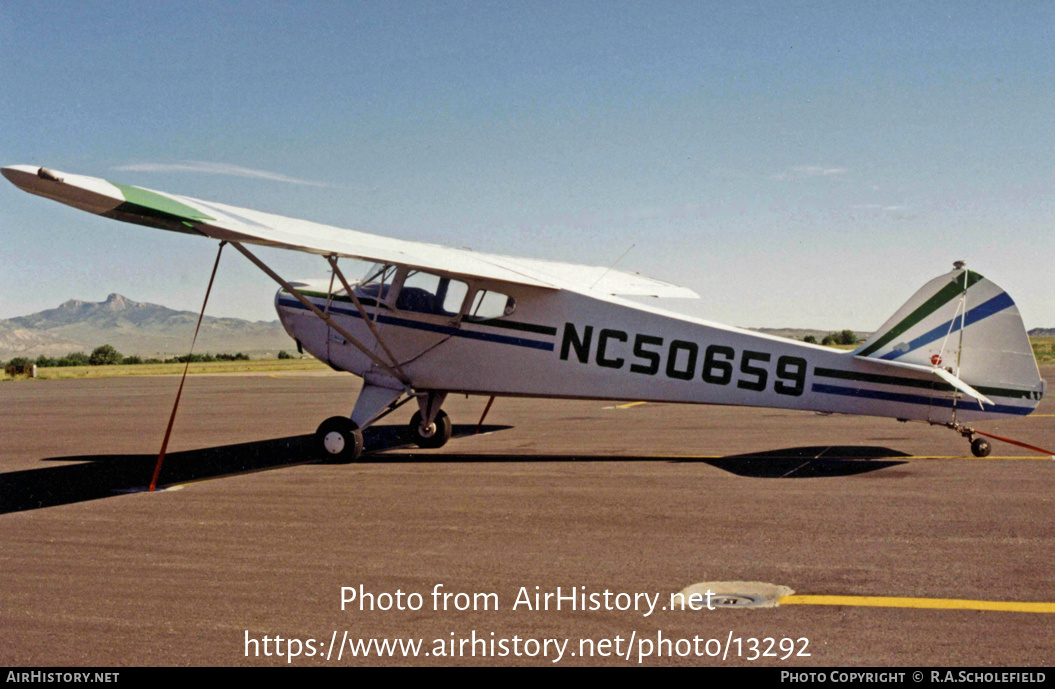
[[362, 312], [397, 374], [179, 393]]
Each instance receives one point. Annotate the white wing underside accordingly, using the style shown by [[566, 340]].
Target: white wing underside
[[221, 221], [301, 235]]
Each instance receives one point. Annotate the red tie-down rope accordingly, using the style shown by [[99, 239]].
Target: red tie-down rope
[[484, 415], [1015, 442], [175, 405]]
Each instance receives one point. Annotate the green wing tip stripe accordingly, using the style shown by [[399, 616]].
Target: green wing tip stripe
[[943, 296], [156, 204]]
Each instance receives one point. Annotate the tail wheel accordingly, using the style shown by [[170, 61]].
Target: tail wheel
[[338, 440], [981, 447], [434, 436]]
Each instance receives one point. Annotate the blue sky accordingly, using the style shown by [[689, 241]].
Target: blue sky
[[796, 164]]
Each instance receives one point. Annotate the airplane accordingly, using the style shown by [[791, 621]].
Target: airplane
[[427, 321]]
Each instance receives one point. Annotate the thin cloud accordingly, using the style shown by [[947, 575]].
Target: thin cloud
[[878, 207], [799, 171], [209, 168], [816, 170]]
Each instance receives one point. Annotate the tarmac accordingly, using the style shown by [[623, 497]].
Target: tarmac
[[892, 536]]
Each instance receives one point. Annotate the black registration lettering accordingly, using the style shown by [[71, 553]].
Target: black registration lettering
[[602, 346], [672, 359], [652, 357], [718, 371], [793, 369], [718, 360], [761, 375], [581, 345]]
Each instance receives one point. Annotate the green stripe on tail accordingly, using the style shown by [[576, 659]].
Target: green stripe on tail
[[944, 296]]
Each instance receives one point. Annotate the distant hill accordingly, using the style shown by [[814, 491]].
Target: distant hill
[[1042, 332], [799, 333], [133, 328]]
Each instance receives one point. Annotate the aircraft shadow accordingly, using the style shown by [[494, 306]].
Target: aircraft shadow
[[103, 476], [808, 462], [795, 462]]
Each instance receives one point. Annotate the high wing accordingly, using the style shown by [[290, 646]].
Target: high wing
[[220, 221]]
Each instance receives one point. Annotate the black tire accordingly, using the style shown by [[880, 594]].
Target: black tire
[[338, 440], [981, 447], [439, 437]]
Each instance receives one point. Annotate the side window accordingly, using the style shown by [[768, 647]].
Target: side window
[[488, 304], [427, 293]]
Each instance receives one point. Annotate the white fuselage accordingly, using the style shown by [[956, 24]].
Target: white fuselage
[[561, 343]]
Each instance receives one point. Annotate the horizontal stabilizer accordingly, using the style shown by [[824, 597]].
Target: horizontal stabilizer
[[941, 373]]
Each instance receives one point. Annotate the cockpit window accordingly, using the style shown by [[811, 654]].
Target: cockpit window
[[378, 280], [488, 304], [427, 293], [379, 273]]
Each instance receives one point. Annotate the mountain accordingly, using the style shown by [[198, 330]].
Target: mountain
[[1042, 332], [799, 333], [133, 328]]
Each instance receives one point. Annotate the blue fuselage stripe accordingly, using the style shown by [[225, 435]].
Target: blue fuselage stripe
[[946, 402], [431, 327]]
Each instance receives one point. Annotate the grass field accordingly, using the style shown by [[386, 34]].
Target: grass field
[[253, 366], [1043, 349]]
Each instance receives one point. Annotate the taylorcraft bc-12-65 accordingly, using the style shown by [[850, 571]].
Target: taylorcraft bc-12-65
[[429, 320]]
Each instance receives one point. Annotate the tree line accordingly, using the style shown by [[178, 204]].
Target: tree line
[[107, 355], [844, 337]]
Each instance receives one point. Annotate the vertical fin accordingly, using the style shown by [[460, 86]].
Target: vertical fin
[[970, 328]]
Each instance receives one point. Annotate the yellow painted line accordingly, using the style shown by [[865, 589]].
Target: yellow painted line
[[1041, 416], [980, 459], [932, 603], [629, 404]]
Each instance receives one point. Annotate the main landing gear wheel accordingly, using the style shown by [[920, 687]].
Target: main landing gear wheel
[[434, 437], [338, 440], [981, 447]]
